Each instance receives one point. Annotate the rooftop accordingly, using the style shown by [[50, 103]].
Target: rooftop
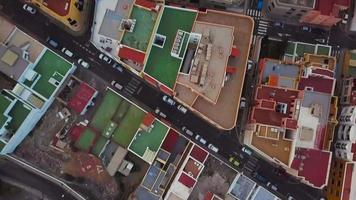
[[82, 97], [305, 161], [11, 62], [146, 143], [242, 187], [4, 104], [316, 83], [160, 64], [47, 74], [58, 6], [304, 3], [326, 6], [283, 112], [263, 194]]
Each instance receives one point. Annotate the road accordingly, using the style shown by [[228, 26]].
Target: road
[[22, 176], [146, 96]]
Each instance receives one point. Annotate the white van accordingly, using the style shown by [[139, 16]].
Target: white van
[[182, 109], [187, 131], [213, 148], [200, 139], [67, 52]]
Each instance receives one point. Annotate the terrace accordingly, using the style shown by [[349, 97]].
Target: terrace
[[296, 50], [18, 113], [242, 187], [160, 64], [139, 38], [4, 104], [85, 140], [47, 75], [146, 143], [193, 168]]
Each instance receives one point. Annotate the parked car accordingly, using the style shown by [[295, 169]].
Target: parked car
[[52, 42], [247, 151], [187, 131], [234, 161], [182, 109], [213, 148], [242, 102], [67, 52], [200, 139], [29, 9], [321, 40], [280, 171], [118, 67], [306, 28], [159, 113], [259, 177], [279, 24], [345, 19], [249, 65], [117, 85], [105, 58], [272, 186], [83, 63], [290, 197], [168, 100]]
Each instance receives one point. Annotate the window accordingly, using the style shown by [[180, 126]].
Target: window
[[273, 5], [288, 13]]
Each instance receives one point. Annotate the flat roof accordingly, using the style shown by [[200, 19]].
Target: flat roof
[[160, 64], [263, 194], [199, 154], [82, 97], [146, 143], [4, 104], [60, 7], [221, 37], [47, 74], [305, 162], [242, 187], [317, 83], [18, 66]]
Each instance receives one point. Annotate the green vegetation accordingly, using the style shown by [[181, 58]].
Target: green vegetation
[[323, 50], [128, 126], [160, 64], [85, 140], [99, 145], [151, 140], [140, 37], [18, 113], [4, 104], [105, 111]]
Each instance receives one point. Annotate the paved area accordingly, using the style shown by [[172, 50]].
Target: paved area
[[6, 29]]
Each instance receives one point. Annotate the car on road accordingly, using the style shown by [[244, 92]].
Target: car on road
[[118, 67], [249, 65], [182, 109], [29, 9], [105, 58], [159, 113], [187, 131], [52, 42], [247, 151], [280, 171], [290, 197], [321, 40], [116, 85], [242, 102], [345, 19], [306, 29], [272, 186], [168, 100], [83, 63], [200, 139], [213, 148], [279, 24], [234, 161], [67, 52], [260, 178]]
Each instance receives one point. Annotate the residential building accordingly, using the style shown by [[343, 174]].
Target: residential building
[[72, 14], [26, 61], [294, 115], [348, 92], [206, 56], [326, 12], [288, 10]]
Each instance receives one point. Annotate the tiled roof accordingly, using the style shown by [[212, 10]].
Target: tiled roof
[[82, 97], [199, 154], [131, 54], [319, 84]]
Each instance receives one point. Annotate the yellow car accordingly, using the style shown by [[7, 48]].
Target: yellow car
[[234, 161]]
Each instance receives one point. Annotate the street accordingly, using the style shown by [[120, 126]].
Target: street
[[148, 97]]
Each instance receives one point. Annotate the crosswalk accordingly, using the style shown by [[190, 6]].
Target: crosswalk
[[255, 14], [132, 86], [251, 165], [262, 27], [335, 52]]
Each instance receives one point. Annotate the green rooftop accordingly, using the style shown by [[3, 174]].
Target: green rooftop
[[160, 64], [2, 145], [149, 140], [51, 70], [99, 145], [18, 113], [140, 37], [4, 104], [85, 140]]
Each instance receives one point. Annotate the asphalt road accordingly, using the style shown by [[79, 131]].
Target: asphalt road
[[22, 176], [148, 97]]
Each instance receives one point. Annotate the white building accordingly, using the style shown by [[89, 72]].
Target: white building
[[345, 147]]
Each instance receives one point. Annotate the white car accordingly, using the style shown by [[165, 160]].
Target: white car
[[243, 102], [182, 109], [168, 100], [104, 58], [306, 28], [187, 131], [67, 52], [118, 67], [200, 139], [273, 187], [83, 63], [29, 9], [158, 112], [247, 151], [117, 85], [213, 148]]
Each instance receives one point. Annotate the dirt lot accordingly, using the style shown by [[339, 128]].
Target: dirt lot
[[216, 177]]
